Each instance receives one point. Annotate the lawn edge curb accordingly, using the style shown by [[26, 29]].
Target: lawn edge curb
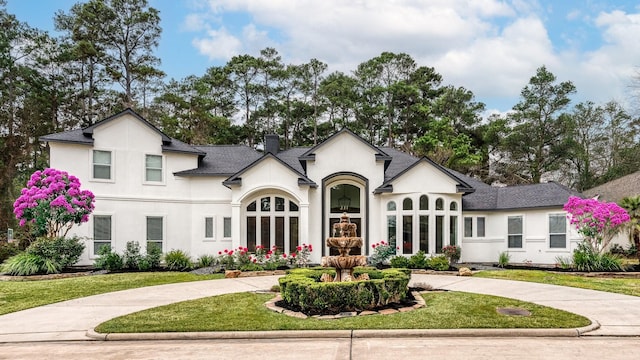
[[334, 334]]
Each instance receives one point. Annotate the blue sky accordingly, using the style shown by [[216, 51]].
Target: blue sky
[[491, 47]]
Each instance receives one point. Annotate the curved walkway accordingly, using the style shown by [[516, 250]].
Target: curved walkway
[[618, 315]]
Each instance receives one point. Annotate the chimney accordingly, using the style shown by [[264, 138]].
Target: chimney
[[272, 144]]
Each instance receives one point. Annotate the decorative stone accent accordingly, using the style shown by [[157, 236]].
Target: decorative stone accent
[[232, 274], [368, 312], [387, 311], [464, 271]]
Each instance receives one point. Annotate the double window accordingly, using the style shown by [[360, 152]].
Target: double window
[[210, 228], [468, 226]]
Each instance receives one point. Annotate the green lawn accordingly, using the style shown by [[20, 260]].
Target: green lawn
[[627, 286], [443, 310], [20, 295]]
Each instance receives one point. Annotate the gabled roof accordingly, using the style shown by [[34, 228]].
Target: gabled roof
[[387, 186], [85, 136], [236, 178], [311, 153], [545, 195]]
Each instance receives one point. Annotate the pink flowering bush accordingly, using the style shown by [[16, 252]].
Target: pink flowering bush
[[52, 202], [598, 222]]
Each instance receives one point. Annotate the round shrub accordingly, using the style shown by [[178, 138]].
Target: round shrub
[[108, 260], [439, 263], [399, 262], [301, 289]]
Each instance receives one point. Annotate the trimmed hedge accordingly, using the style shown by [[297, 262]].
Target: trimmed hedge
[[302, 289]]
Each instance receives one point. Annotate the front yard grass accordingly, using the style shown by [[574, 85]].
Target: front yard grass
[[246, 312], [20, 295], [627, 286]]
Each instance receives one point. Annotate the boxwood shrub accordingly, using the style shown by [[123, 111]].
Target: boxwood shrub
[[302, 289]]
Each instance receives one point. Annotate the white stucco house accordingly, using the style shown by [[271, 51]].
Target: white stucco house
[[204, 199]]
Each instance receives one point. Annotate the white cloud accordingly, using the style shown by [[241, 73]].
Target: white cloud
[[219, 45], [491, 47]]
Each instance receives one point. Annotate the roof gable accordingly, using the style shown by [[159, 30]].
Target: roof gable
[[461, 186], [311, 153], [236, 179], [85, 136]]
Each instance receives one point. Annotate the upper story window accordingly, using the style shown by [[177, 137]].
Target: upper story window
[[153, 168], [439, 204], [102, 164], [453, 206]]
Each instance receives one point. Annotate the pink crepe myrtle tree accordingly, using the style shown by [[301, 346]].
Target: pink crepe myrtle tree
[[52, 202], [598, 222]]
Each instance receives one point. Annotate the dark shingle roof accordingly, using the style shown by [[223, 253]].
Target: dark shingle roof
[[543, 195], [73, 136], [292, 157], [222, 160]]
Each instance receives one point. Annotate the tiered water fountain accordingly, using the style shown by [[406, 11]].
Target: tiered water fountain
[[344, 239], [318, 291]]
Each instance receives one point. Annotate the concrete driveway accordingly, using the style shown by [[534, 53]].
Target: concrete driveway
[[618, 315]]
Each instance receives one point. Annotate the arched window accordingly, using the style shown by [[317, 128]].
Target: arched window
[[424, 202], [274, 223], [453, 206], [439, 204], [391, 206], [407, 204]]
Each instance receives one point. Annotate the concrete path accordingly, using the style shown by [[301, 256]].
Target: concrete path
[[618, 315]]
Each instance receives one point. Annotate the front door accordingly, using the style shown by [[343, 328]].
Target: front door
[[346, 197]]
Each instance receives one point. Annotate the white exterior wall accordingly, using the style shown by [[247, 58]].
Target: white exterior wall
[[535, 243], [185, 202]]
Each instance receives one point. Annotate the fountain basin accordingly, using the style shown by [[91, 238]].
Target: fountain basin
[[344, 244]]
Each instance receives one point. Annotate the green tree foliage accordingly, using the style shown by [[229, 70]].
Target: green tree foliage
[[104, 61], [536, 142], [115, 40]]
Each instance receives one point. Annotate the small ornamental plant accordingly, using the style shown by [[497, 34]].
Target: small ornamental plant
[[452, 252], [598, 222], [301, 258], [382, 252], [52, 202]]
